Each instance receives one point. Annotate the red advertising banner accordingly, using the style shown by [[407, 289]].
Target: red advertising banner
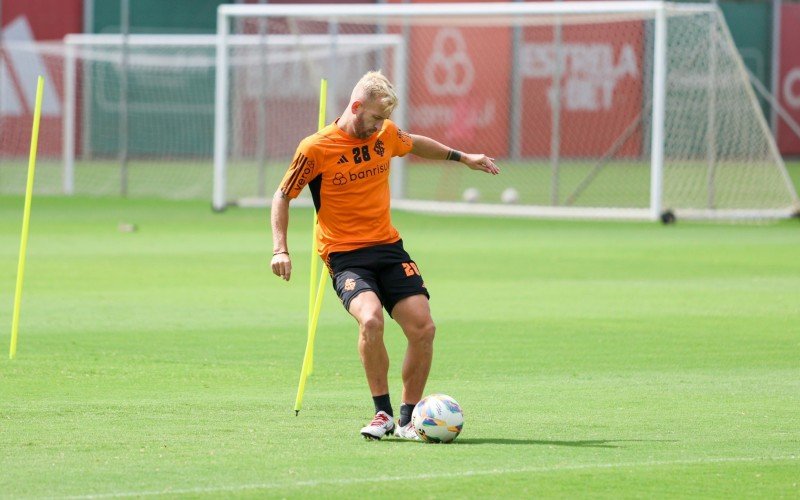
[[48, 19], [458, 85], [600, 91], [789, 79], [451, 96], [25, 21]]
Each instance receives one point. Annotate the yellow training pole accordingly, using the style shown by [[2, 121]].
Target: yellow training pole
[[312, 311], [312, 330], [26, 217], [316, 287]]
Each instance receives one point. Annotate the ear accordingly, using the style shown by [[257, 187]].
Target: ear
[[354, 107]]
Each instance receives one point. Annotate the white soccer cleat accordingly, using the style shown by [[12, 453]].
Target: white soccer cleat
[[381, 425], [407, 432]]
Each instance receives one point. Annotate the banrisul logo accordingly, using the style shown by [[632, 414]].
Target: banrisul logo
[[20, 65], [369, 172], [342, 178]]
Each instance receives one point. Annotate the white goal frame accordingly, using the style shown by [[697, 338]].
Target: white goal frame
[[224, 40], [656, 10], [74, 42], [72, 45]]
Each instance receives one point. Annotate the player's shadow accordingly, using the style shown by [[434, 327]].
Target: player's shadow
[[582, 443]]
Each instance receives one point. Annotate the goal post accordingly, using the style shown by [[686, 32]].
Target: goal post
[[166, 103], [171, 104], [294, 63], [622, 110]]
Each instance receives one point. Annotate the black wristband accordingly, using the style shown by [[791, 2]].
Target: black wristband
[[278, 253], [454, 155]]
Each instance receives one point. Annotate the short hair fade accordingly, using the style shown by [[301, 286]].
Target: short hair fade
[[375, 86]]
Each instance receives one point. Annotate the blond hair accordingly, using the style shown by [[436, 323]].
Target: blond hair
[[374, 86]]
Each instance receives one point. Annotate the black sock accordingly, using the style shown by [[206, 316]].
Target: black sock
[[405, 413], [382, 403]]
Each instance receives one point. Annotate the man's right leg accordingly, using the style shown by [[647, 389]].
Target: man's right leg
[[367, 309]]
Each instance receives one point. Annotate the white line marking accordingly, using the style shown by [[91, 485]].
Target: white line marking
[[489, 472]]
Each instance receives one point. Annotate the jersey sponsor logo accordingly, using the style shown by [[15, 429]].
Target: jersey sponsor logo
[[369, 172], [301, 168], [342, 159], [349, 285], [342, 178], [378, 147]]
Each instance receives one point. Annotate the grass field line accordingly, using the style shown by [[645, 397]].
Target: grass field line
[[418, 477]]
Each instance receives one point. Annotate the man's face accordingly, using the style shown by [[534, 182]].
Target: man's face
[[369, 117]]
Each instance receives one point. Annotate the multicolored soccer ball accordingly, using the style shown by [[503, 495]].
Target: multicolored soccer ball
[[438, 419]]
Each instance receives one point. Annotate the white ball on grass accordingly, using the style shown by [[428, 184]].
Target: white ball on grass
[[438, 419], [471, 195], [509, 196]]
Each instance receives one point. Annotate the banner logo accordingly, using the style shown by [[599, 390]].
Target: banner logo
[[449, 70], [791, 96], [19, 68], [590, 72]]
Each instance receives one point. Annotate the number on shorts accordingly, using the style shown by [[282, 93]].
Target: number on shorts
[[411, 269]]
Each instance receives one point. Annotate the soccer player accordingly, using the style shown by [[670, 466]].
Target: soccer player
[[346, 166]]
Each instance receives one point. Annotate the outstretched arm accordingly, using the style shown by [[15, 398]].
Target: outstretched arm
[[279, 218], [435, 150]]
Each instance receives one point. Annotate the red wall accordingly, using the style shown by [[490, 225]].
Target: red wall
[[39, 20], [601, 93], [789, 82], [450, 97], [49, 19]]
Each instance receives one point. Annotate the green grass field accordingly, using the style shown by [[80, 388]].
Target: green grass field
[[580, 183], [592, 359]]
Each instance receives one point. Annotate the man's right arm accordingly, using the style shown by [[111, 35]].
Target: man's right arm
[[279, 218]]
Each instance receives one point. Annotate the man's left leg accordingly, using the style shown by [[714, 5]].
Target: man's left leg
[[413, 314]]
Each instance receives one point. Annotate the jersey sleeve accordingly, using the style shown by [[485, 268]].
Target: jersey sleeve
[[302, 170], [402, 141]]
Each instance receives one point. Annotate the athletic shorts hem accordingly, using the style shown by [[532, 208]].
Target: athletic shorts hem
[[405, 296], [356, 294]]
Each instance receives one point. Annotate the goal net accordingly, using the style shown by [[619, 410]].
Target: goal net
[[591, 109], [134, 116], [131, 117], [138, 115]]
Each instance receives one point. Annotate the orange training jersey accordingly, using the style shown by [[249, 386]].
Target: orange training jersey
[[349, 182]]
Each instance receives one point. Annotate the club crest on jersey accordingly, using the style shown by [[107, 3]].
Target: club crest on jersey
[[378, 147]]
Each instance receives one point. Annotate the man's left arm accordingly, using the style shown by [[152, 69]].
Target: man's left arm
[[435, 150]]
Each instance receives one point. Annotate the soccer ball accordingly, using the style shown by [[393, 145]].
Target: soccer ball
[[471, 195], [509, 196], [438, 419]]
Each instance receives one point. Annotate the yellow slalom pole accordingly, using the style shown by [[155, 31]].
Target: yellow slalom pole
[[316, 287], [312, 331], [26, 217], [313, 311]]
